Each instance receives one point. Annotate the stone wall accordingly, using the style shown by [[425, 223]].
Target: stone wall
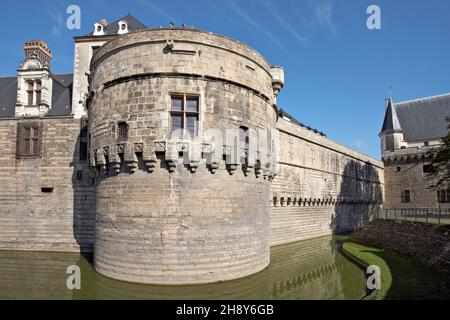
[[162, 218], [321, 187], [409, 175], [30, 219]]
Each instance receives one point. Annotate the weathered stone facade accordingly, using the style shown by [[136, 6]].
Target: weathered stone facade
[[174, 225], [321, 187], [177, 210], [30, 219]]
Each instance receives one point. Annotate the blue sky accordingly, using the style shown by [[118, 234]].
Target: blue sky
[[338, 72]]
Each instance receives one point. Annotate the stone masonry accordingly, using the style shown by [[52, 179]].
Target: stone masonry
[[164, 209]]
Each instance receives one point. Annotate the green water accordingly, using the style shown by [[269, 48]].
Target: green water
[[311, 269]]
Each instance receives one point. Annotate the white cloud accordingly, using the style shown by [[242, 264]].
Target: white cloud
[[253, 22], [58, 24], [57, 17], [360, 144], [282, 21], [323, 12]]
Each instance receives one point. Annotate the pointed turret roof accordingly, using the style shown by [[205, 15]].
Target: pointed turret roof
[[391, 122]]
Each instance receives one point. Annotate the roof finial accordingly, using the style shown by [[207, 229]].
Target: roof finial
[[390, 92]]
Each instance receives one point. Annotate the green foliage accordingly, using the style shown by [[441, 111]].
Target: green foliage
[[440, 166]]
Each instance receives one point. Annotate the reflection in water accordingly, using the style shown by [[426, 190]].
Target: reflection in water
[[311, 269]]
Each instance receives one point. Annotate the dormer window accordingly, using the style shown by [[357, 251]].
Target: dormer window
[[99, 30], [123, 27], [34, 93]]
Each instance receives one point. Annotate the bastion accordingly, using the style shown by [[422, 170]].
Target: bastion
[[174, 204]]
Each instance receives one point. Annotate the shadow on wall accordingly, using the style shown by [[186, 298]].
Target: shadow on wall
[[360, 196], [84, 200]]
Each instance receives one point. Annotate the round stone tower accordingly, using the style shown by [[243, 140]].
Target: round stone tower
[[181, 135]]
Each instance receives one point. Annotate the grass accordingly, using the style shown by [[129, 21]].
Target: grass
[[403, 277], [371, 256]]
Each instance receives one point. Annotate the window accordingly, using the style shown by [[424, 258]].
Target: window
[[47, 190], [428, 168], [83, 151], [426, 143], [443, 195], [398, 169], [122, 131], [38, 92], [406, 196], [30, 93], [185, 114], [83, 156], [29, 137], [34, 93]]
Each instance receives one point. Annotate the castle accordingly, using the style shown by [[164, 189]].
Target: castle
[[411, 130], [166, 155]]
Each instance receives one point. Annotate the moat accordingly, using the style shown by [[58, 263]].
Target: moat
[[311, 269]]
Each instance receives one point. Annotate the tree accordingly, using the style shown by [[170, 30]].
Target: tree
[[440, 165]]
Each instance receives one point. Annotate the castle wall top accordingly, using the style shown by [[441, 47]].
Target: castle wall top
[[189, 35], [182, 52]]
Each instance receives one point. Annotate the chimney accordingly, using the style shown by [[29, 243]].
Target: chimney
[[38, 49]]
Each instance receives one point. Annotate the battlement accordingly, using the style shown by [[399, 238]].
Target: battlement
[[125, 157]]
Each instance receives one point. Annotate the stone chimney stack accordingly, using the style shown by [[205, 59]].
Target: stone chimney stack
[[38, 49]]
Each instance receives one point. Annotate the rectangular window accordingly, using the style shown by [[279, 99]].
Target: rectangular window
[[38, 93], [192, 105], [178, 104], [398, 169], [30, 93], [122, 130], [84, 147], [185, 114], [177, 122], [443, 195], [28, 140], [406, 196], [83, 151]]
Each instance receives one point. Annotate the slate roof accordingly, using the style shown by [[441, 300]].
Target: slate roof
[[8, 96], [284, 114], [422, 119], [113, 27], [391, 123], [61, 96]]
